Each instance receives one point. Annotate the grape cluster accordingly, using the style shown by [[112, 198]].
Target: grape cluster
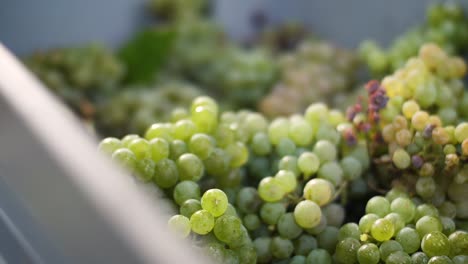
[[315, 72], [230, 156], [397, 229], [446, 25], [80, 75], [134, 109]]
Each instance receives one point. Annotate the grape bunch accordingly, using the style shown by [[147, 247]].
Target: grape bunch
[[397, 229], [446, 25], [245, 215], [81, 76], [315, 72], [134, 109]]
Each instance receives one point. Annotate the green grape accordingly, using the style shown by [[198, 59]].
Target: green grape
[[287, 227], [399, 257], [214, 201], [287, 180], [166, 174], [140, 147], [366, 222], [403, 207], [396, 193], [427, 224], [238, 153], [461, 132], [261, 144], [316, 112], [308, 164], [270, 189], [318, 256], [300, 131], [425, 187], [335, 214], [125, 157], [307, 214], [256, 123], [271, 212], [447, 209], [397, 221], [201, 145], [228, 229], [425, 209], [186, 190], [128, 139], [109, 145], [204, 118], [331, 171], [190, 167], [459, 242], [298, 260], [304, 245], [262, 247], [401, 159], [247, 254], [248, 200], [289, 163], [177, 148], [145, 169], [281, 248], [189, 207], [409, 239], [180, 224], [435, 244], [368, 254], [319, 191], [328, 133], [159, 148], [378, 205], [159, 130], [346, 250], [419, 258], [202, 222], [328, 239], [440, 260], [184, 129], [218, 163], [285, 147], [325, 151], [278, 129], [352, 168], [251, 221], [349, 230], [382, 229], [224, 135], [389, 247], [448, 225]]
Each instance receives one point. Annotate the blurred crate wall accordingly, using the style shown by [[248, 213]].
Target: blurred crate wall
[[27, 25]]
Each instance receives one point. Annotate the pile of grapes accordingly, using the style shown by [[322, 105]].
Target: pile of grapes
[[80, 75], [315, 71], [252, 190], [446, 26]]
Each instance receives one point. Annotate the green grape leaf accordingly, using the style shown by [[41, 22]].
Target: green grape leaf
[[146, 53]]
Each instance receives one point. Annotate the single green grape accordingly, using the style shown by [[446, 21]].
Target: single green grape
[[368, 254], [186, 190], [159, 149], [378, 205], [180, 224], [399, 257], [109, 145], [304, 244], [202, 222], [214, 201], [349, 230], [427, 224], [308, 163], [189, 207], [436, 244], [404, 207], [281, 248], [346, 250], [382, 229], [319, 191], [307, 214], [287, 226], [227, 229], [366, 222], [409, 239], [319, 256], [166, 174], [271, 212], [287, 180], [389, 247], [270, 189]]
